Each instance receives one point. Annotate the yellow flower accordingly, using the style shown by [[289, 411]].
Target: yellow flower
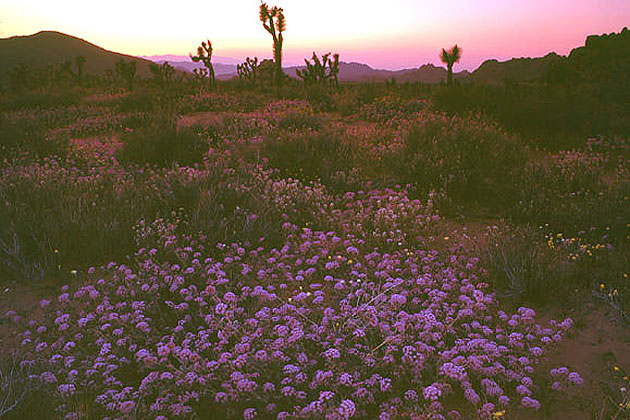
[[498, 414], [602, 286]]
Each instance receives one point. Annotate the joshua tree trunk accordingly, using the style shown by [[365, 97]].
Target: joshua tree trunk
[[449, 75], [278, 60]]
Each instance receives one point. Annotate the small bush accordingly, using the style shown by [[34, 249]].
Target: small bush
[[162, 143], [320, 98], [346, 103], [310, 156], [571, 192], [20, 136], [299, 121], [137, 101], [524, 268], [472, 161], [42, 100]]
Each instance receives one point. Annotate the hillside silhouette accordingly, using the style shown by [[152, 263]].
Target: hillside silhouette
[[52, 48]]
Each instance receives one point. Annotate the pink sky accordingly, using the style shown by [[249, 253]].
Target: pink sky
[[393, 34]]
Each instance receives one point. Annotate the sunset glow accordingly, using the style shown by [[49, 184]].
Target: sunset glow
[[395, 34]]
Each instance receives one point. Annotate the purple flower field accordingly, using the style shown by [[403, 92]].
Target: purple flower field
[[305, 264]]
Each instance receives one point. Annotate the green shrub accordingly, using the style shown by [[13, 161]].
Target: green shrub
[[24, 136], [571, 192], [472, 161], [551, 116], [320, 98], [300, 121], [162, 143], [41, 100], [310, 156], [524, 268], [137, 101], [346, 102]]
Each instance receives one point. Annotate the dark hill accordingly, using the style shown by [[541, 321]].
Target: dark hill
[[49, 47], [516, 69]]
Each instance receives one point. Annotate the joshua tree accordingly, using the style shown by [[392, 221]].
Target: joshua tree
[[79, 60], [273, 21], [127, 72], [19, 77], [248, 70], [204, 54], [162, 73], [66, 70], [334, 70], [449, 58], [320, 71]]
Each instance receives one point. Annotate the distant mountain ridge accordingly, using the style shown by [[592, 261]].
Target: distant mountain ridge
[[604, 55], [173, 58], [189, 66], [359, 72]]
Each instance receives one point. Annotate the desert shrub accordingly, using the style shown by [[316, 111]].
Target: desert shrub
[[555, 117], [137, 101], [18, 136], [309, 155], [320, 98], [41, 99], [392, 109], [525, 268], [136, 120], [573, 191], [472, 161], [220, 102], [162, 143], [346, 102], [75, 214], [300, 121]]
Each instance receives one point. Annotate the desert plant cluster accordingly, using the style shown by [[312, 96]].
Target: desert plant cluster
[[269, 247]]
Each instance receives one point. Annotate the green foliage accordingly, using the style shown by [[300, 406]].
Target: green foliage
[[555, 117], [300, 121], [126, 71], [320, 98], [162, 143], [79, 61], [524, 268], [34, 100], [162, 74], [137, 101], [310, 156], [22, 136], [472, 161], [571, 192]]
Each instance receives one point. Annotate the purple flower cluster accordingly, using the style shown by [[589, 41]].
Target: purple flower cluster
[[361, 318]]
